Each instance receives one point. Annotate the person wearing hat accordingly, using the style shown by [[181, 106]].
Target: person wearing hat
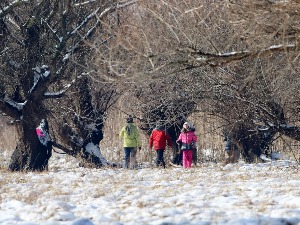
[[131, 141], [187, 139], [158, 140]]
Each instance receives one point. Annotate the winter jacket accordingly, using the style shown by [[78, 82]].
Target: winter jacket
[[186, 138], [158, 139], [130, 135], [228, 143]]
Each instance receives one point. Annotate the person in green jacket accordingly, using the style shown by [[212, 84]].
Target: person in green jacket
[[129, 133]]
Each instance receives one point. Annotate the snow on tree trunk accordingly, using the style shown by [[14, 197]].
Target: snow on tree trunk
[[94, 151]]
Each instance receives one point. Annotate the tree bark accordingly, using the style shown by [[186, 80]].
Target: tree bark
[[251, 141], [292, 132], [30, 154], [174, 132]]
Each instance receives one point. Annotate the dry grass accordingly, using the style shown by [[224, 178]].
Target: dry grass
[[8, 134], [95, 184]]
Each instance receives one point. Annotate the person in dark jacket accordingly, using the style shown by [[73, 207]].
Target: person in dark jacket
[[231, 149], [158, 140]]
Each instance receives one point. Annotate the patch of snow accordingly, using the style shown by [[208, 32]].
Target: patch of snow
[[17, 105], [95, 150], [92, 126], [66, 194]]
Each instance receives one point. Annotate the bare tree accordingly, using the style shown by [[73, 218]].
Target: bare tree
[[85, 108], [43, 53], [240, 59]]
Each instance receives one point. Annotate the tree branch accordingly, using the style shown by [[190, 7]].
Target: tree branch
[[63, 148], [39, 74], [225, 58], [11, 107], [92, 29], [11, 6], [59, 94], [290, 131]]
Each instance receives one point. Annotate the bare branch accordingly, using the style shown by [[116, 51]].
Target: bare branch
[[59, 94], [224, 58], [84, 3], [93, 28], [196, 59], [63, 148], [11, 6], [16, 105], [39, 73], [52, 30]]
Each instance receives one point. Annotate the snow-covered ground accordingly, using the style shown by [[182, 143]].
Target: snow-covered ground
[[266, 193]]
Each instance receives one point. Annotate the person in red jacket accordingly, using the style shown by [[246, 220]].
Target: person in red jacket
[[158, 140]]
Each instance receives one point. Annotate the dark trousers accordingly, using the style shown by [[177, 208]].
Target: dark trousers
[[160, 158], [130, 157], [195, 157]]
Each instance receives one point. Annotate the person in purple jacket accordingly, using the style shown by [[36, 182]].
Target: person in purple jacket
[[187, 139]]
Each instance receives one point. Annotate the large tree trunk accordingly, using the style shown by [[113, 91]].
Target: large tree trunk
[[30, 153], [251, 142], [82, 131], [174, 132], [91, 150]]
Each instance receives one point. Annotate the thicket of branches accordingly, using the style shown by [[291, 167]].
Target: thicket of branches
[[45, 76], [237, 60]]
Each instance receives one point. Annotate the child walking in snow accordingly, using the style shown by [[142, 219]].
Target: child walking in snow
[[187, 139]]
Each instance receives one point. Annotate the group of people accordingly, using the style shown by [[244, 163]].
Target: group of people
[[158, 141]]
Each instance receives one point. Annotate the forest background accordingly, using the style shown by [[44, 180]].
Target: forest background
[[231, 67]]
